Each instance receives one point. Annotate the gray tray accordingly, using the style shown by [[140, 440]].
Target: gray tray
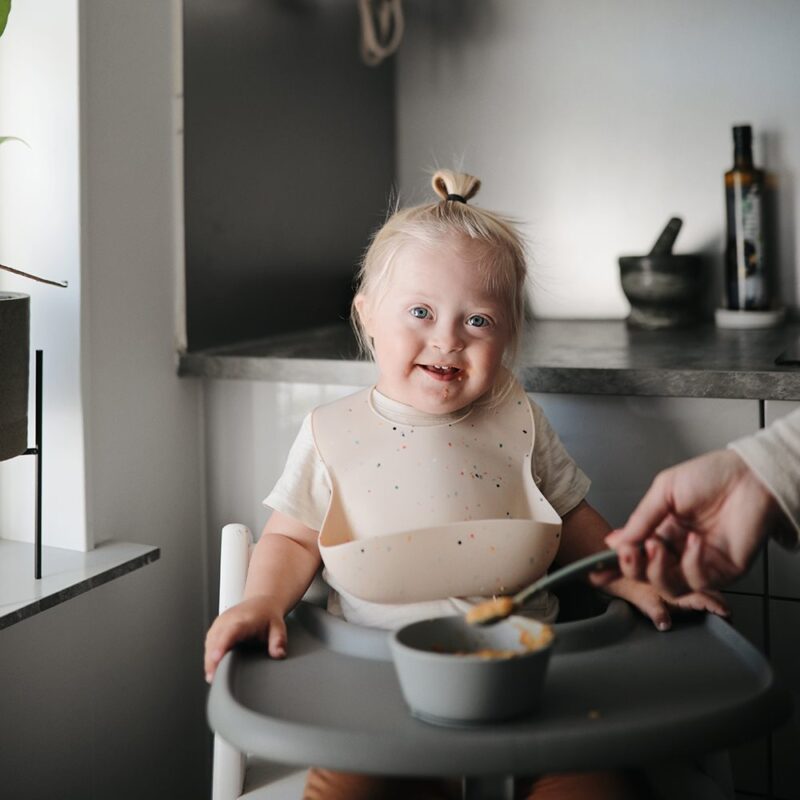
[[617, 693]]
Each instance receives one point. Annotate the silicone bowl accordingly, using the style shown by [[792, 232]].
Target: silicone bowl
[[444, 681]]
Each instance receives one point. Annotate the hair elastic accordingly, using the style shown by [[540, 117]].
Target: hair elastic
[[456, 198]]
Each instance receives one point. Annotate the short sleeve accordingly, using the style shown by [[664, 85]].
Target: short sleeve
[[558, 477], [303, 491]]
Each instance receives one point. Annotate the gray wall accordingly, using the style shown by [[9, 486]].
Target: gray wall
[[103, 696], [289, 164], [593, 122]]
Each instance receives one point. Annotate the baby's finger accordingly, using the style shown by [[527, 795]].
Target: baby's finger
[[218, 642], [211, 663], [654, 607], [703, 601], [276, 645], [213, 655], [221, 637]]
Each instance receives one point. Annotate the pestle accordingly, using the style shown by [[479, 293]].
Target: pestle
[[663, 245]]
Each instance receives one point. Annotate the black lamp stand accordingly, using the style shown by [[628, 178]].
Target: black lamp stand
[[36, 450]]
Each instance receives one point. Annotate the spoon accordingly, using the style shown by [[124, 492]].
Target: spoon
[[491, 611]]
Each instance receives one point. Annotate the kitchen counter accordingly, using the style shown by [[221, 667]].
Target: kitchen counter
[[65, 574], [560, 356]]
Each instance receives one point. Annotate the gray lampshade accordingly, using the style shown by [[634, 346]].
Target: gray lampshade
[[14, 354]]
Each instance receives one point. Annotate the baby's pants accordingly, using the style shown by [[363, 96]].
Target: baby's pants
[[323, 784]]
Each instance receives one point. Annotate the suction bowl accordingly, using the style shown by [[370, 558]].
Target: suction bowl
[[448, 678]]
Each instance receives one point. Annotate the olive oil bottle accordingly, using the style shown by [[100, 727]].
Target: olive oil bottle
[[747, 285]]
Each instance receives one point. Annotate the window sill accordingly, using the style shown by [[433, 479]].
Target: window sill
[[65, 574]]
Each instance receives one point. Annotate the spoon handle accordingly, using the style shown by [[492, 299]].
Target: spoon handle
[[605, 559]]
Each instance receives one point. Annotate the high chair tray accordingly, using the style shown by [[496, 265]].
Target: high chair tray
[[617, 693]]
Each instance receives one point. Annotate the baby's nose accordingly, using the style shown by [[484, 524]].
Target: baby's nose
[[447, 339]]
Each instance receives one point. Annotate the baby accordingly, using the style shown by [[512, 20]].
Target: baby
[[442, 484]]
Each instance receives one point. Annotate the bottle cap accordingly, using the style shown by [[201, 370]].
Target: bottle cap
[[742, 135]]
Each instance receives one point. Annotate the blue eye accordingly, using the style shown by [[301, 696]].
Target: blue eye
[[420, 313], [478, 321]]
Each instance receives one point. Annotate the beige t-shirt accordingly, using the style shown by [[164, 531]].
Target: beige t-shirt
[[303, 491]]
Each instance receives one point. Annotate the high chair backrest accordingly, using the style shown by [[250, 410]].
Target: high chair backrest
[[236, 545], [232, 771]]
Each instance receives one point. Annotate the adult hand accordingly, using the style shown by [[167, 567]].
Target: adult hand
[[701, 522]]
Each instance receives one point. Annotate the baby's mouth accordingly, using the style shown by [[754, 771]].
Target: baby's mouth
[[441, 372]]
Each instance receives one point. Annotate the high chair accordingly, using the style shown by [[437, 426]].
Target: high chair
[[237, 776], [764, 704]]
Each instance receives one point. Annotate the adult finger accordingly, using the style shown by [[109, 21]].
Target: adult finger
[[632, 561], [705, 567], [672, 533], [663, 569], [652, 509]]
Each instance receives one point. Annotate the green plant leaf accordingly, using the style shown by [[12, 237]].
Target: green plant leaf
[[12, 138], [5, 10]]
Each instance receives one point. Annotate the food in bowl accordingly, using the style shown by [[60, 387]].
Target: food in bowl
[[452, 673], [529, 640]]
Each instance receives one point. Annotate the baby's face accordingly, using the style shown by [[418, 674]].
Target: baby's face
[[438, 333]]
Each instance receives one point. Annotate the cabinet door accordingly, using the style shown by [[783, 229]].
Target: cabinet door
[[623, 442], [785, 657], [749, 761], [784, 566]]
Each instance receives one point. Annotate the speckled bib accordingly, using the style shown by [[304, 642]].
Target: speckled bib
[[428, 512]]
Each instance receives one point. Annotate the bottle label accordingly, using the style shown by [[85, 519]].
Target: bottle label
[[745, 205]]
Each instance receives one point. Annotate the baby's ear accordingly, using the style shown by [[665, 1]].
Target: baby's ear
[[361, 305]]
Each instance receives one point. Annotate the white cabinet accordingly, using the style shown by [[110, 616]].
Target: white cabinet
[[621, 443]]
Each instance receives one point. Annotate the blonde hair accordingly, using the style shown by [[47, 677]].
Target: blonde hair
[[501, 256]]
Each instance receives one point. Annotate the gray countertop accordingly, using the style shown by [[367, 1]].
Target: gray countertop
[[569, 356], [65, 574]]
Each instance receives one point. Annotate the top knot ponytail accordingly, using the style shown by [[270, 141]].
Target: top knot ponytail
[[457, 186]]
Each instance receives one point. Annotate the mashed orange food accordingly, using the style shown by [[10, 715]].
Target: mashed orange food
[[529, 640], [496, 608]]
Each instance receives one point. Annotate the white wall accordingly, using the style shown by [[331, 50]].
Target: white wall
[[103, 696], [250, 427], [40, 233], [595, 121]]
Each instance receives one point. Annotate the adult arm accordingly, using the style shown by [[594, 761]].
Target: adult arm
[[703, 521]]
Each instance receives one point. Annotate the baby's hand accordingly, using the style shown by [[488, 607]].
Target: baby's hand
[[255, 618], [656, 606]]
